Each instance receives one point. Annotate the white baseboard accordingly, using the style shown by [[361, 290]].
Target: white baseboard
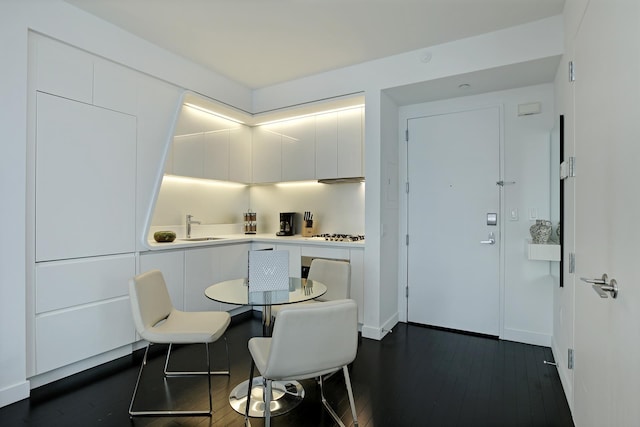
[[74, 368], [377, 333], [526, 337], [14, 393]]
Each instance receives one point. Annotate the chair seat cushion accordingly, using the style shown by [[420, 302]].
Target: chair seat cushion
[[187, 327]]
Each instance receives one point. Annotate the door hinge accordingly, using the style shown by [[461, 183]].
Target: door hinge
[[572, 71], [406, 292], [407, 240], [570, 359], [572, 166], [406, 135], [572, 262], [406, 187], [568, 168]]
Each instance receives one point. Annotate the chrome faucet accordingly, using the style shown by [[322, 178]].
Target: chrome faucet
[[189, 222]]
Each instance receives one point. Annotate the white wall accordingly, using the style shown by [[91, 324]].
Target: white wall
[[527, 288]]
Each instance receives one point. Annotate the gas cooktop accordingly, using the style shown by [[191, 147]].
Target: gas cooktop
[[340, 237]]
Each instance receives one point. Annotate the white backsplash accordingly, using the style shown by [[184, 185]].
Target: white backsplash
[[337, 208]]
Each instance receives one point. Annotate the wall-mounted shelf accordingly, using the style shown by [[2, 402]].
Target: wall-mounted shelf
[[543, 251]]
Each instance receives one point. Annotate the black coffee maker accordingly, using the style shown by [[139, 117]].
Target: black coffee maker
[[286, 224]]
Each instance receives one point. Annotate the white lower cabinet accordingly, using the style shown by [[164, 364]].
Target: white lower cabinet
[[206, 266], [295, 267], [355, 258], [81, 309], [171, 264]]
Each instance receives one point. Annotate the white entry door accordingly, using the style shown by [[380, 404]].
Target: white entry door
[[607, 214], [453, 255]]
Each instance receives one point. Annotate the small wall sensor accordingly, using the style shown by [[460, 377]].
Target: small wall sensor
[[529, 109]]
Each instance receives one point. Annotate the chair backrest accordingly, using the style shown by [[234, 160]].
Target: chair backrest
[[309, 340], [150, 300], [336, 275]]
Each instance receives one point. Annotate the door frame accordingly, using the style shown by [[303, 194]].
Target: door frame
[[427, 110]]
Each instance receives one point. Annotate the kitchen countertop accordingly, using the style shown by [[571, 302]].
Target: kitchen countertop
[[225, 239]]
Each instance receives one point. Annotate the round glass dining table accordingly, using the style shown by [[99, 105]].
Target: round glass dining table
[[286, 395]]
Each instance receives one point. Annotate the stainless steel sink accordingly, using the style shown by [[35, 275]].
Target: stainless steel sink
[[199, 239]]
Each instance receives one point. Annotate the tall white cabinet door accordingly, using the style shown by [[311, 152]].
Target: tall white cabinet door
[[350, 137], [298, 149], [266, 153], [240, 154], [327, 146], [85, 180]]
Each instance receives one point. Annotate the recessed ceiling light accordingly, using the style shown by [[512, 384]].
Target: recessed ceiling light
[[464, 86]]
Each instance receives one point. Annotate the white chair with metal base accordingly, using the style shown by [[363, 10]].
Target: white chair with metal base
[[158, 322], [308, 341], [334, 274]]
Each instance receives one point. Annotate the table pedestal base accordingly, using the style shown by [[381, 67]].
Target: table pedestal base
[[286, 396]]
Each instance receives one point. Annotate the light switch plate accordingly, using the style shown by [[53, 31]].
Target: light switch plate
[[533, 213], [513, 214]]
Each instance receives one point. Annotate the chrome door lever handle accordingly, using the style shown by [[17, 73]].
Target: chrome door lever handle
[[490, 241], [602, 281], [604, 285]]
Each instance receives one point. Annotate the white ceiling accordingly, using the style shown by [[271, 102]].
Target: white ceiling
[[263, 42]]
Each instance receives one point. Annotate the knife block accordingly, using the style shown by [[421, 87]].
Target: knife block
[[308, 231]]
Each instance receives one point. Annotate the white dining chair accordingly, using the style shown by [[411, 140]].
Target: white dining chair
[[308, 341], [158, 322], [334, 274]]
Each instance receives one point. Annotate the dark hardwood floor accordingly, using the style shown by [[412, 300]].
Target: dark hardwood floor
[[415, 376]]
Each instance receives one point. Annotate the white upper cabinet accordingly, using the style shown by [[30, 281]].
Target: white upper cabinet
[[298, 149], [323, 146], [240, 154], [266, 154], [188, 155], [339, 144], [115, 87], [209, 146], [327, 146], [63, 70], [85, 180], [350, 143]]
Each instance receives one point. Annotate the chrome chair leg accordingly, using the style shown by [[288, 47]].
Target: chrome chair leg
[[247, 423], [267, 403], [189, 373], [133, 413], [352, 403], [328, 407]]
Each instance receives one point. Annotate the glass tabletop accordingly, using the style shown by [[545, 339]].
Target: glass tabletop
[[236, 291]]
